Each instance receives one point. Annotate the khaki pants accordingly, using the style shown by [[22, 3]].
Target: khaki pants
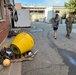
[[68, 29]]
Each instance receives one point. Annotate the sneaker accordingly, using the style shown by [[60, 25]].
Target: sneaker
[[66, 35], [55, 38]]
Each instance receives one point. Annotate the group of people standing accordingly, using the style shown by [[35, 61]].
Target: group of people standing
[[69, 20]]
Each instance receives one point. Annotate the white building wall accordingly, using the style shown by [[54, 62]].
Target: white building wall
[[23, 18], [49, 13]]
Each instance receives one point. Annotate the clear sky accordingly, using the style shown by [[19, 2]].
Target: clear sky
[[42, 2]]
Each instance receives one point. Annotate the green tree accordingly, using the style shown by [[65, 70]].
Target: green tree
[[71, 5], [64, 15]]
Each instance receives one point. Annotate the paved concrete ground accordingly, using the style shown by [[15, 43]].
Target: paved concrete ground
[[14, 68], [48, 61]]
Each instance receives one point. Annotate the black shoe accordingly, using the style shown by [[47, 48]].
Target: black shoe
[[55, 38], [66, 35]]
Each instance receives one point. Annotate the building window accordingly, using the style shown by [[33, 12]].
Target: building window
[[41, 11], [7, 2], [1, 9], [57, 11]]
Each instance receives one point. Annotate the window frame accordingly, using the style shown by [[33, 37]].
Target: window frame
[[2, 10], [9, 2]]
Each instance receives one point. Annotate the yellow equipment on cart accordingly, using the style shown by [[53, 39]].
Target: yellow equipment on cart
[[22, 43]]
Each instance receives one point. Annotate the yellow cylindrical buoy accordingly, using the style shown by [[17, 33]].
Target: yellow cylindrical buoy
[[22, 43]]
